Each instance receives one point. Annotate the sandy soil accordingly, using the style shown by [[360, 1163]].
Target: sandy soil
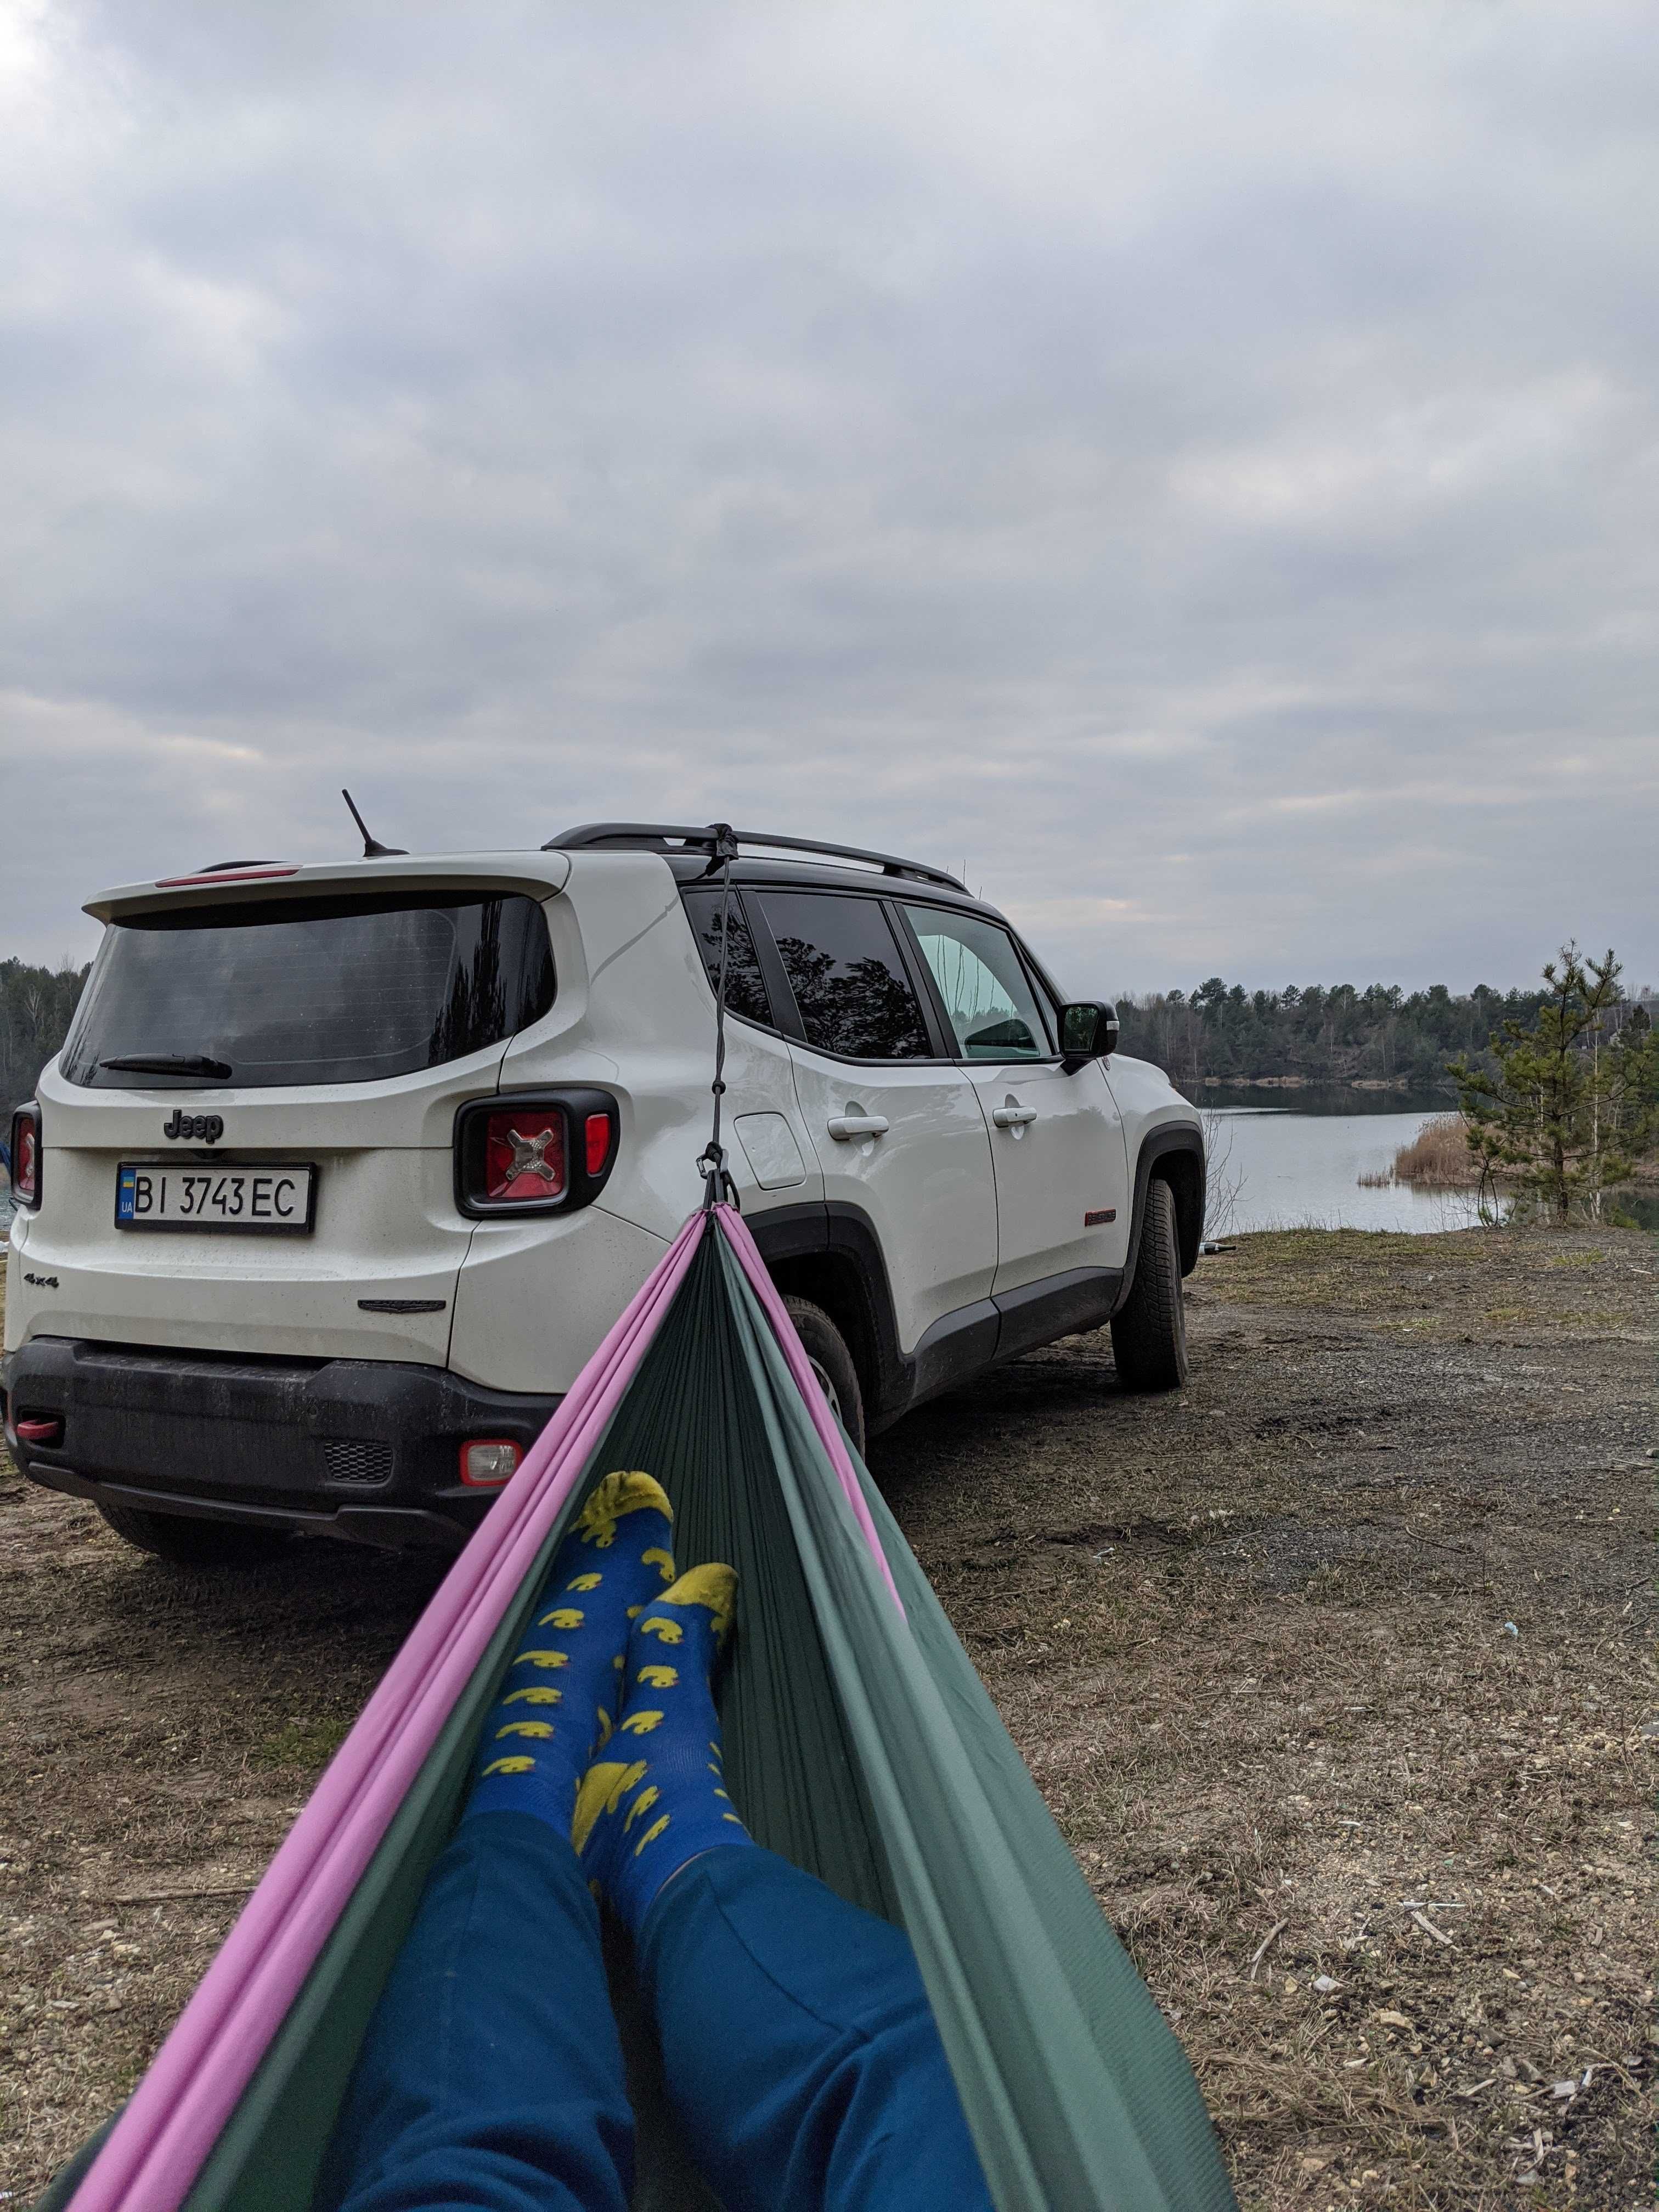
[[1337, 1669]]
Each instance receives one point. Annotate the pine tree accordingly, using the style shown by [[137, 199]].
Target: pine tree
[[1575, 1100]]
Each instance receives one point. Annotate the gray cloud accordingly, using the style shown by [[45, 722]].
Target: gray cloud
[[1194, 467]]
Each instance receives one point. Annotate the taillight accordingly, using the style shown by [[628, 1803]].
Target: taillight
[[26, 1156], [544, 1152], [598, 1130], [487, 1462], [523, 1156]]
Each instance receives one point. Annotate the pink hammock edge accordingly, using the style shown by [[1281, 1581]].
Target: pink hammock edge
[[158, 2145]]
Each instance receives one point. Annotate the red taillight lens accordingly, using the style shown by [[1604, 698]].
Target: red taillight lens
[[523, 1156], [598, 1134], [487, 1462], [528, 1155], [25, 1157]]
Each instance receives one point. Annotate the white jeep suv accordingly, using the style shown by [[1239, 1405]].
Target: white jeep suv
[[344, 1171]]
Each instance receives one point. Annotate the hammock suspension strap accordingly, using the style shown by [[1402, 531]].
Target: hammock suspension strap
[[717, 1182]]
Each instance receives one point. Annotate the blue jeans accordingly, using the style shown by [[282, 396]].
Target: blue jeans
[[798, 2044]]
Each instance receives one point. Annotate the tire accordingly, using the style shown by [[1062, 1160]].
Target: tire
[[188, 1543], [832, 1363], [1148, 1334]]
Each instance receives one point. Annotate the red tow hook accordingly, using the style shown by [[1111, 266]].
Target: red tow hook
[[41, 1429]]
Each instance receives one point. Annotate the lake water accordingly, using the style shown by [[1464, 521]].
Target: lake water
[[1298, 1163], [1297, 1167]]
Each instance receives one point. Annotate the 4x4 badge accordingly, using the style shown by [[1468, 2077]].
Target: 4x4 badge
[[207, 1127]]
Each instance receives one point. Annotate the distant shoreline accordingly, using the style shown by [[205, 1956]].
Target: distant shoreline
[[1400, 1083]]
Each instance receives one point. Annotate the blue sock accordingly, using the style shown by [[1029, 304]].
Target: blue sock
[[559, 1696], [659, 1798]]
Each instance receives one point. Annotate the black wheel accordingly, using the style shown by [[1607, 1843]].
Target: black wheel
[[832, 1363], [190, 1543], [1149, 1335]]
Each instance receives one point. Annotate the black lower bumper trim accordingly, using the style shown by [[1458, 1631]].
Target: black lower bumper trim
[[394, 1527], [365, 1450]]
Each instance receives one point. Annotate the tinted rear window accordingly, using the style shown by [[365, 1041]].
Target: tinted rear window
[[849, 977], [311, 991], [746, 986]]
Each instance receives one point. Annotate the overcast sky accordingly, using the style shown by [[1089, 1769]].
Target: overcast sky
[[1195, 467]]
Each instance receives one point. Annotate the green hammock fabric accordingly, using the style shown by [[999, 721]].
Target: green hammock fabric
[[859, 1744]]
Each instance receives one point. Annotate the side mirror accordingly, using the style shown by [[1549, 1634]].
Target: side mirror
[[1088, 1030]]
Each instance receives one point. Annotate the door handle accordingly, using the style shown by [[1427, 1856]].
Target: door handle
[[843, 1127], [1013, 1117]]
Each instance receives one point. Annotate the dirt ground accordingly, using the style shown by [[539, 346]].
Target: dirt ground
[[1337, 1670]]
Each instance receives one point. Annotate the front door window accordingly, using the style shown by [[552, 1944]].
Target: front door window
[[992, 1008]]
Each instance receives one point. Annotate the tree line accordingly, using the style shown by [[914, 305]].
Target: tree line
[[1219, 1030], [37, 1005], [1339, 1034]]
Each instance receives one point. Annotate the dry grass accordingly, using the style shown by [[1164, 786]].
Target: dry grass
[[1254, 1640], [1437, 1158]]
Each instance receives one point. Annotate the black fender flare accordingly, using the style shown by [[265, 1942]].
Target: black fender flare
[[830, 1237], [1182, 1147]]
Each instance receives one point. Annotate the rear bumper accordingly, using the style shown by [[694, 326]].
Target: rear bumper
[[368, 1450]]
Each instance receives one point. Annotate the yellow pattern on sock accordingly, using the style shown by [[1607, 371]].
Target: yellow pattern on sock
[[623, 1492], [647, 1798], [536, 1695], [562, 1616], [516, 1764], [525, 1727], [658, 1678], [605, 1785], [651, 1834], [640, 1723], [713, 1585], [542, 1659]]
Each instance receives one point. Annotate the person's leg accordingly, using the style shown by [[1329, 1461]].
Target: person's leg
[[798, 2043], [491, 2075]]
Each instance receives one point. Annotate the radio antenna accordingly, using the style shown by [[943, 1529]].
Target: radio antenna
[[372, 848]]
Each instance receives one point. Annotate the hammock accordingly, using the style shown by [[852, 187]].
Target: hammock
[[859, 1743]]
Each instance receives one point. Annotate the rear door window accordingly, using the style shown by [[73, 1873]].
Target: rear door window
[[342, 990], [852, 990], [746, 986], [988, 999]]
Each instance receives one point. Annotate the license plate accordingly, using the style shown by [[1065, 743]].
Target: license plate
[[250, 1197]]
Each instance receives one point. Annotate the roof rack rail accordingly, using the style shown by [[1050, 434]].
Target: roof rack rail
[[667, 836]]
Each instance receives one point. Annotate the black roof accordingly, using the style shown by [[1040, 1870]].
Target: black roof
[[781, 873], [704, 846], [691, 854]]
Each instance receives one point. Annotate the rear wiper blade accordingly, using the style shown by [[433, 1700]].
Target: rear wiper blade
[[168, 1063]]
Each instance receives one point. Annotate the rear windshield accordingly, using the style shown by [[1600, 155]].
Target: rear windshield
[[345, 990]]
